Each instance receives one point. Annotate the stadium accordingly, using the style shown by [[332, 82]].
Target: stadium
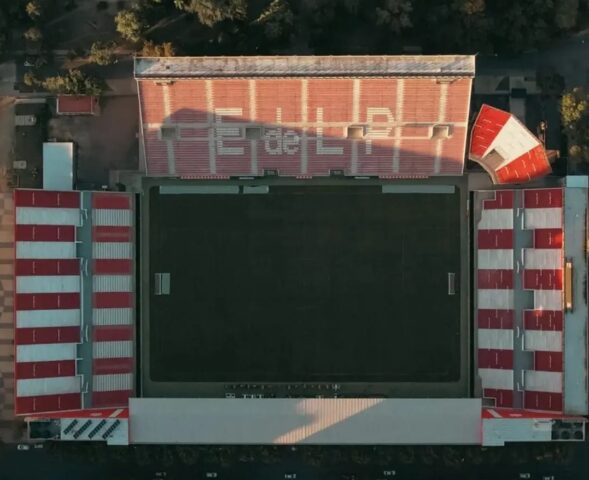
[[308, 262]]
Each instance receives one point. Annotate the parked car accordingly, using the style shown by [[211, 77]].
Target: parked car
[[23, 446]]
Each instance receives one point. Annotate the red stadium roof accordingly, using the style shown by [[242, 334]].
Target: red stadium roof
[[381, 116], [505, 148]]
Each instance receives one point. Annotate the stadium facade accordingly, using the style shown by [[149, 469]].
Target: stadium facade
[[308, 265]]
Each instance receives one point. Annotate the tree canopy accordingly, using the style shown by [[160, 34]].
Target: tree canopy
[[574, 110], [151, 49], [102, 53], [129, 24], [210, 12], [74, 82]]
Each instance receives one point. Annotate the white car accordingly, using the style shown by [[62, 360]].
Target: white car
[[23, 446]]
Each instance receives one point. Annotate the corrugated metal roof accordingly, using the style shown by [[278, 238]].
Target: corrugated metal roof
[[302, 66], [323, 421]]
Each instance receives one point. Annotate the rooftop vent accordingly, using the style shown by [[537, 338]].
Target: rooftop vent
[[356, 132], [439, 132], [169, 132], [253, 133], [162, 284]]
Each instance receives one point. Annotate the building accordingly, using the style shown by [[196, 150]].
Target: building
[[302, 275], [77, 105]]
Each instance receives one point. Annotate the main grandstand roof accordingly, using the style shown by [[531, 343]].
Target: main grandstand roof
[[304, 66], [304, 116]]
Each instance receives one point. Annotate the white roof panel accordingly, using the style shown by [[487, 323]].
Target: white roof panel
[[33, 387], [46, 352], [47, 216], [58, 166], [322, 421], [47, 318]]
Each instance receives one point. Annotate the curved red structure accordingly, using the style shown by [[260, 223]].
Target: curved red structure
[[505, 148]]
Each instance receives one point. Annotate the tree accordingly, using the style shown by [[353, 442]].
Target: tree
[[74, 82], [151, 49], [102, 53], [33, 34], [129, 25], [277, 19], [210, 12], [574, 111], [566, 14], [574, 107], [395, 14], [33, 9]]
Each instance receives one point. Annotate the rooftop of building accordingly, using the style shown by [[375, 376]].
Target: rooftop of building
[[303, 66]]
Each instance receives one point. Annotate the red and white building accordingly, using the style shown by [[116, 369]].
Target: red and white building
[[74, 300]]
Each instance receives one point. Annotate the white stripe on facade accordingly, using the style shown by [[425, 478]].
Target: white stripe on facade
[[211, 127], [34, 387], [112, 316], [47, 318], [48, 284], [112, 217], [46, 352], [167, 119], [495, 299], [252, 117], [543, 259], [543, 340], [496, 378], [47, 216], [441, 118], [114, 349], [398, 138], [537, 381], [304, 120], [496, 219], [512, 141], [112, 382], [537, 218], [112, 250], [492, 338], [495, 259], [44, 250], [548, 299], [112, 283]]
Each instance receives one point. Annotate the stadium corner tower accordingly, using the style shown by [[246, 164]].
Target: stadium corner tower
[[307, 262]]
